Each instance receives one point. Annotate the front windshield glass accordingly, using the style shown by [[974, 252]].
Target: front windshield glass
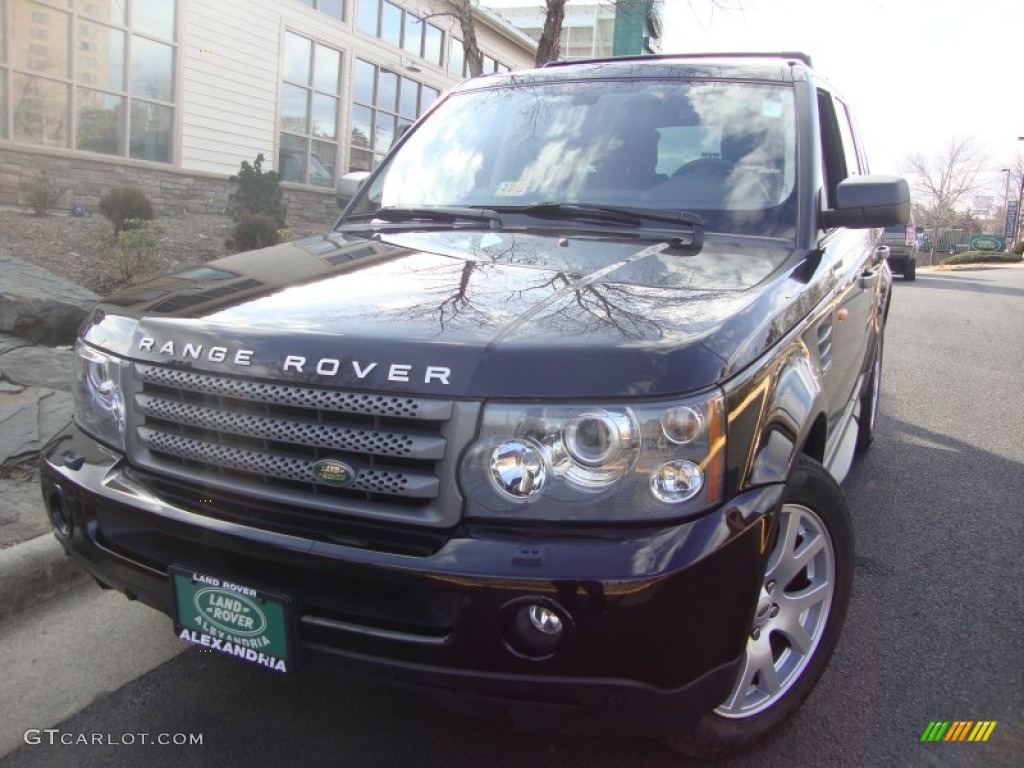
[[724, 150]]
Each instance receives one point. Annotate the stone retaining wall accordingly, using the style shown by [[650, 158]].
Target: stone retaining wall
[[169, 190]]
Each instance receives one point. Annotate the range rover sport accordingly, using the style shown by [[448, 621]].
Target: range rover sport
[[554, 418]]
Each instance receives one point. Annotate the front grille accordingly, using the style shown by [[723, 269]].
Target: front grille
[[262, 439]]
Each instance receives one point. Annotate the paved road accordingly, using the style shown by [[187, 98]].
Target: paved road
[[933, 631]]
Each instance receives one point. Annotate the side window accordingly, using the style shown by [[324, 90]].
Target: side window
[[861, 156], [854, 167], [833, 157]]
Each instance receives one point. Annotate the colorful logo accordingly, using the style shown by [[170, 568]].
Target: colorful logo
[[331, 472], [230, 612], [958, 730]]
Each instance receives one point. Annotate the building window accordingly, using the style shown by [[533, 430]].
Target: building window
[[110, 11], [457, 59], [100, 120], [385, 104], [152, 128], [335, 8], [457, 66], [40, 112], [310, 103], [401, 28], [153, 17], [104, 81]]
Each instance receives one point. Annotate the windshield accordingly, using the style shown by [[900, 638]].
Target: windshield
[[726, 151]]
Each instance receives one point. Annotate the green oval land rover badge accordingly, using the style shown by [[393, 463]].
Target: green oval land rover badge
[[230, 612], [332, 472]]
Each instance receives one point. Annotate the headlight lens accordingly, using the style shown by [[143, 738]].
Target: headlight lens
[[519, 470], [99, 401], [594, 463]]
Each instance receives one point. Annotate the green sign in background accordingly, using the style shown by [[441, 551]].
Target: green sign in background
[[988, 243]]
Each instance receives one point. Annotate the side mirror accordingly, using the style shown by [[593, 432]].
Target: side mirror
[[864, 202], [348, 187]]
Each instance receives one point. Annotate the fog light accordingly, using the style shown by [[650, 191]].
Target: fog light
[[519, 470], [545, 620], [60, 512], [537, 630], [676, 481]]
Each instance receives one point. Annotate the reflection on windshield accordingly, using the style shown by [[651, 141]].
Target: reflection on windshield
[[726, 150]]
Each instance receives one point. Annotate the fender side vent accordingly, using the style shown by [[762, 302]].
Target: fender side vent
[[825, 345]]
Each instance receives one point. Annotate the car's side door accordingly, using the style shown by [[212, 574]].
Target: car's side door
[[855, 262]]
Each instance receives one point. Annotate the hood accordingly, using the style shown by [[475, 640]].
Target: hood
[[480, 314]]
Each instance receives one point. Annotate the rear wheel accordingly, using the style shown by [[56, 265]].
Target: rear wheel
[[910, 271], [800, 611]]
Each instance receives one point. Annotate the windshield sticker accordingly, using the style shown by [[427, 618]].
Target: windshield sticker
[[771, 108], [510, 189]]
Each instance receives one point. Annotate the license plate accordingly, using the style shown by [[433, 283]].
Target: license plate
[[222, 615]]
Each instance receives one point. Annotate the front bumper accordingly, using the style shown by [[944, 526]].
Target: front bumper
[[656, 620]]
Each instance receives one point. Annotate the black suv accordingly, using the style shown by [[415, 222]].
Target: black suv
[[554, 419]]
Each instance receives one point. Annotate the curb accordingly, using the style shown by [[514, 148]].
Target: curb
[[34, 571]]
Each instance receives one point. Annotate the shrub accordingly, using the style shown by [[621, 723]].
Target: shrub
[[132, 249], [1018, 248], [257, 192], [42, 193], [254, 230], [982, 257], [125, 204]]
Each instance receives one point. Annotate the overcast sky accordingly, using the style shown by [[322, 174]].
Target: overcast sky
[[916, 72]]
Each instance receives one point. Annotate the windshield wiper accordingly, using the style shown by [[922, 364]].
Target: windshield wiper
[[609, 214], [687, 229], [433, 214]]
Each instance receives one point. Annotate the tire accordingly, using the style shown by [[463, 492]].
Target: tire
[[910, 271], [869, 402], [792, 635]]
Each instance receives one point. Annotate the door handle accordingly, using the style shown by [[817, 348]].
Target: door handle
[[880, 254], [867, 278]]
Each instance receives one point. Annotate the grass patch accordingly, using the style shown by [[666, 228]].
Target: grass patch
[[983, 257]]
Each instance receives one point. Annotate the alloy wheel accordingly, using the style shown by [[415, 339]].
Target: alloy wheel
[[792, 611]]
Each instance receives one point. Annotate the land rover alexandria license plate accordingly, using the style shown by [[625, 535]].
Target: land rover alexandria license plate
[[222, 615]]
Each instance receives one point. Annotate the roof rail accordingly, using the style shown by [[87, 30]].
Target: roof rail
[[801, 57]]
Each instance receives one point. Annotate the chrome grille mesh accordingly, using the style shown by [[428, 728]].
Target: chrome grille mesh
[[293, 430], [262, 439], [292, 468], [297, 396]]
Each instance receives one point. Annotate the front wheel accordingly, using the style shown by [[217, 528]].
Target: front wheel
[[800, 610]]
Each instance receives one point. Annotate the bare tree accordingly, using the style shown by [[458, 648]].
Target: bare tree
[[1013, 191], [942, 183], [464, 15], [550, 43], [462, 12]]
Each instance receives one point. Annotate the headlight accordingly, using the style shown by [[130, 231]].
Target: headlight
[[597, 463], [99, 402]]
